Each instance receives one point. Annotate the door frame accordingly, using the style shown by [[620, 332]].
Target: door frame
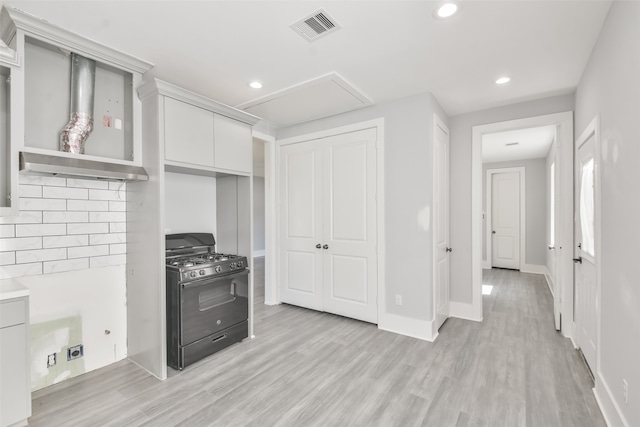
[[270, 248], [273, 225], [438, 122], [593, 129], [523, 214], [564, 169]]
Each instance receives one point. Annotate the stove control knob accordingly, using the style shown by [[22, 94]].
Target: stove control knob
[[218, 269], [192, 274], [239, 264], [232, 266], [201, 272]]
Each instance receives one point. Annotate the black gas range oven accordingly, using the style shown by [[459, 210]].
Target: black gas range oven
[[207, 298]]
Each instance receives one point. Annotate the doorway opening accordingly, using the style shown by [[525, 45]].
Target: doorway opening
[[534, 253]]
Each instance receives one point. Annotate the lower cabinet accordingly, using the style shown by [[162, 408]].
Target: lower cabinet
[[15, 387]]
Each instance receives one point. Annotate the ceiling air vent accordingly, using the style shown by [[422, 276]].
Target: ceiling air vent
[[316, 25]]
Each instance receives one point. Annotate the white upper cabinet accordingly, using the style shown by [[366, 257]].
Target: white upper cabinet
[[233, 144], [188, 133], [196, 134]]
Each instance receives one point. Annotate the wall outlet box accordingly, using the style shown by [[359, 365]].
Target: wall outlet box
[[75, 352], [398, 299], [51, 360]]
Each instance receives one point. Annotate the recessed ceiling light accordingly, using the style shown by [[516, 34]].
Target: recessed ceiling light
[[446, 10], [503, 80], [256, 85]]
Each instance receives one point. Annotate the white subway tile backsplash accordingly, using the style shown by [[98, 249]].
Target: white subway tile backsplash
[[107, 216], [7, 231], [29, 230], [88, 251], [43, 180], [30, 190], [117, 206], [20, 244], [107, 195], [119, 248], [64, 217], [87, 205], [7, 258], [104, 261], [43, 204], [87, 183], [26, 217], [64, 224], [87, 228], [117, 227], [103, 239], [40, 255], [66, 265], [65, 241], [20, 270], [65, 193]]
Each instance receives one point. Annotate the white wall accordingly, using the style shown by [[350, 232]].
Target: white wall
[[258, 215], [67, 245], [460, 201], [190, 203], [610, 87], [408, 195], [535, 208]]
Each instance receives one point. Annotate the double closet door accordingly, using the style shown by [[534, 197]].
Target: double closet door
[[328, 225]]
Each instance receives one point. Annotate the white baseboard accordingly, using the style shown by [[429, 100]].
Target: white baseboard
[[608, 405], [462, 311], [270, 302], [420, 329], [533, 268], [486, 265], [257, 254]]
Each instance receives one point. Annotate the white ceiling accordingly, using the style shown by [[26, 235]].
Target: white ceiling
[[533, 143], [385, 49]]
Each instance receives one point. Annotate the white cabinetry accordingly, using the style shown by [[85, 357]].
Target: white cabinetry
[[193, 136], [15, 384], [188, 133]]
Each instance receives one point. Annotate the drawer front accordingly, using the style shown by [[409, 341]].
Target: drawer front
[[213, 343], [13, 313]]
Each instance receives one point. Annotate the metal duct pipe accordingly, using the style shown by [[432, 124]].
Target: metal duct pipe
[[83, 79]]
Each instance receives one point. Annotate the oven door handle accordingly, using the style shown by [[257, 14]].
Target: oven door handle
[[206, 280]]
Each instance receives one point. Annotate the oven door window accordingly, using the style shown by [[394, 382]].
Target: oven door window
[[214, 297]]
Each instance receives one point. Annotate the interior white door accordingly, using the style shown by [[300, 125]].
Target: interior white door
[[328, 225], [349, 212], [554, 237], [505, 220], [441, 223], [301, 225], [587, 304]]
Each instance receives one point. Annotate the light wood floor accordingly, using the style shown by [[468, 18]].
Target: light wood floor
[[312, 369]]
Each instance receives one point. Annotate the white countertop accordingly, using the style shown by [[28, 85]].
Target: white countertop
[[10, 288]]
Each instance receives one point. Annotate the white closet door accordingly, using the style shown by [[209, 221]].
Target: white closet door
[[301, 225], [349, 212]]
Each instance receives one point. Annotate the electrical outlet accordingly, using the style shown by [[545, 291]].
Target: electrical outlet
[[51, 360], [398, 299], [75, 352], [625, 391]]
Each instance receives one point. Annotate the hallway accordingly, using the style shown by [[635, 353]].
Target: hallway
[[306, 368]]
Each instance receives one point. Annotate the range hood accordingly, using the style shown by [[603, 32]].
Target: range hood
[[65, 167]]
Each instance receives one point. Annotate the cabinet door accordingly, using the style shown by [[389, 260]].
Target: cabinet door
[[188, 133], [233, 144], [14, 389]]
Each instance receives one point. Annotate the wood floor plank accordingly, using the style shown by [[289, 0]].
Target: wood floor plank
[[306, 368]]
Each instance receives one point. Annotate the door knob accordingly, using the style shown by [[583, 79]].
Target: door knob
[[318, 246], [578, 260], [325, 247], [493, 232], [448, 250], [551, 247]]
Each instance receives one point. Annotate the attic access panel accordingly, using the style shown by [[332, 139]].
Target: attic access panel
[[321, 97]]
